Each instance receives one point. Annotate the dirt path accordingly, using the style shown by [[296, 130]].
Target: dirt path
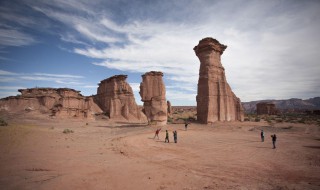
[[37, 155]]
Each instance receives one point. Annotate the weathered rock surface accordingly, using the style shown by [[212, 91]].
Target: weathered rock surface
[[169, 110], [116, 98], [60, 102], [267, 108], [153, 96], [215, 99]]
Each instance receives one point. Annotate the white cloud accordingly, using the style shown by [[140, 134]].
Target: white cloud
[[4, 94], [11, 87], [11, 37], [57, 75], [2, 72], [272, 46]]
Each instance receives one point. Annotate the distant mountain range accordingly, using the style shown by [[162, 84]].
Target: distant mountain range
[[292, 105]]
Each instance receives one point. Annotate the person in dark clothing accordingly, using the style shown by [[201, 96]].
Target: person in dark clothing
[[157, 133], [175, 136], [262, 136], [186, 125], [274, 139], [167, 137]]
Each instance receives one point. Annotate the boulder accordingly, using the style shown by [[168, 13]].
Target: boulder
[[153, 96], [215, 99]]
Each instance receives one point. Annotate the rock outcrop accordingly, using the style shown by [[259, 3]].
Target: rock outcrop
[[116, 98], [169, 109], [267, 108], [59, 102], [153, 96], [215, 99]]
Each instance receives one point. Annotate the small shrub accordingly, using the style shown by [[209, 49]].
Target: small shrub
[[170, 119], [257, 119], [66, 131], [302, 121], [288, 127], [246, 119], [3, 122]]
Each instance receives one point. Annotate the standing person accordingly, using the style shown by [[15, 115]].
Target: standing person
[[186, 125], [175, 136], [274, 139], [157, 133], [262, 136], [167, 137]]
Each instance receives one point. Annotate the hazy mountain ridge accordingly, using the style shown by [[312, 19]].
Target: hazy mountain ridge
[[293, 104]]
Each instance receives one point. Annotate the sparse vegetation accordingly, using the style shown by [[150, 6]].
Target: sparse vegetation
[[286, 117], [67, 131], [3, 122]]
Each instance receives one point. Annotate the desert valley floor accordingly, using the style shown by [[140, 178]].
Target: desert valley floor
[[36, 154]]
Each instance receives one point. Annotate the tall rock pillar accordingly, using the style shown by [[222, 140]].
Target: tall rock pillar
[[215, 99], [153, 96], [116, 98]]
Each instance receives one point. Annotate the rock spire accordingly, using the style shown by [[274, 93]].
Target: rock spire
[[153, 96], [215, 99]]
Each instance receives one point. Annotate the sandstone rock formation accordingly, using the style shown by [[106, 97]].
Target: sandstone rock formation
[[215, 99], [169, 109], [267, 108], [116, 98], [153, 95], [60, 102]]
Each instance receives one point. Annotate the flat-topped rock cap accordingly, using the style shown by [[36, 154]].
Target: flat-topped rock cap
[[209, 43], [153, 73], [30, 90], [116, 77]]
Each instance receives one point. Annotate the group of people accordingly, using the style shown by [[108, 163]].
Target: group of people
[[175, 136], [273, 137]]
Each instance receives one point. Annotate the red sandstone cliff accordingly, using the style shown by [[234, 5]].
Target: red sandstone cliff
[[60, 102]]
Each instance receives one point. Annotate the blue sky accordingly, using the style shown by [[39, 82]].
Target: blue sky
[[273, 46]]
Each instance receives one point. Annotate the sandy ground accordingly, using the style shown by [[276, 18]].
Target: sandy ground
[[35, 154]]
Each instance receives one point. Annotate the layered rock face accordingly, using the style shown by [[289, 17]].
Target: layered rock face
[[169, 110], [60, 102], [153, 96], [116, 98], [266, 108], [215, 99]]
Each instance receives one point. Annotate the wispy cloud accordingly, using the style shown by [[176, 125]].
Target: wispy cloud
[[272, 45], [3, 72], [10, 37], [6, 76]]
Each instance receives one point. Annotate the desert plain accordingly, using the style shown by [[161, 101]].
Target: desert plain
[[105, 154]]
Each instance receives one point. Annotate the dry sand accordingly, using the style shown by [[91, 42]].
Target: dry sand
[[35, 154]]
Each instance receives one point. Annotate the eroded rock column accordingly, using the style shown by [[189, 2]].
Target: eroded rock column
[[116, 98], [215, 99], [153, 96]]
